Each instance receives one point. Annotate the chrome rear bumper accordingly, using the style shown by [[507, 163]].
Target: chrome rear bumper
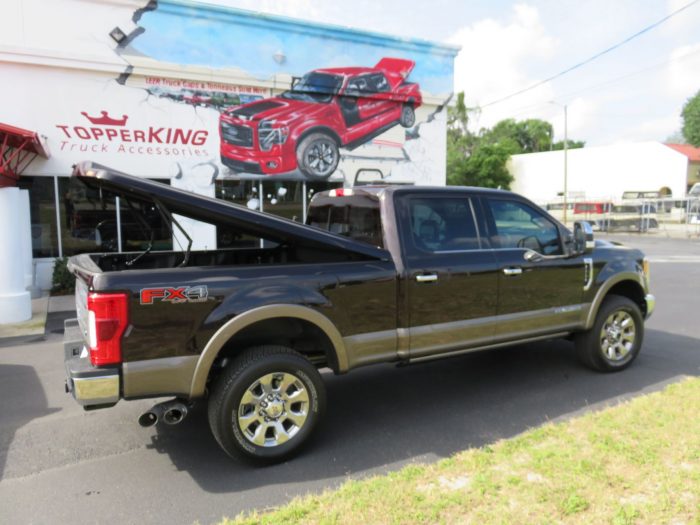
[[92, 387]]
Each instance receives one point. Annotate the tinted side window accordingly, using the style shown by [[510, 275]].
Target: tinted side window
[[356, 218], [521, 226], [378, 82], [359, 85], [440, 225]]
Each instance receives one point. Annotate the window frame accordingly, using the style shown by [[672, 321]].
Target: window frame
[[408, 247], [493, 229]]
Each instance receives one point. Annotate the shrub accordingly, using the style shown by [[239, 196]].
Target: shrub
[[63, 282]]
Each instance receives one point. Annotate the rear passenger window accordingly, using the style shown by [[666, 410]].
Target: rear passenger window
[[521, 226], [442, 225], [357, 218]]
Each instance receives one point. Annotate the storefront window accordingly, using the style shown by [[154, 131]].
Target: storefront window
[[284, 198], [244, 193], [143, 226], [88, 218], [42, 209]]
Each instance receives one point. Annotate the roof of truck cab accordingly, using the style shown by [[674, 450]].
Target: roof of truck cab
[[378, 190]]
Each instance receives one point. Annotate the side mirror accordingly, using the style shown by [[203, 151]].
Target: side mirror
[[583, 238]]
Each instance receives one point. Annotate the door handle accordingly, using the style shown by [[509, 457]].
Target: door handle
[[427, 278], [512, 271]]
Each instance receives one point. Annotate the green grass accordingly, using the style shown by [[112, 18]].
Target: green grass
[[638, 462]]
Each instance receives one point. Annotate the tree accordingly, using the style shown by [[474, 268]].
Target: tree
[[572, 144], [691, 120], [486, 167], [676, 138], [529, 136], [479, 159]]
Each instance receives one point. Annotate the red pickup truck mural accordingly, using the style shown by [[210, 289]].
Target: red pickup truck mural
[[326, 109]]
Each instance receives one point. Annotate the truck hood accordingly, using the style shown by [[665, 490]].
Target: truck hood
[[281, 110], [399, 66], [221, 213], [396, 69]]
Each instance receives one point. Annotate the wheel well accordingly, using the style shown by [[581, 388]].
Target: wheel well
[[633, 291], [303, 336], [320, 129], [411, 101]]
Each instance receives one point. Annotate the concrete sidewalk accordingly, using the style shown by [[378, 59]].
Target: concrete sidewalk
[[48, 313]]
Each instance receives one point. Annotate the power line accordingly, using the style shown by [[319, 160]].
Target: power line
[[524, 109], [594, 57]]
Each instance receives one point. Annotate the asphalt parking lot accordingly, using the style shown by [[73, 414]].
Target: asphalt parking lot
[[59, 464]]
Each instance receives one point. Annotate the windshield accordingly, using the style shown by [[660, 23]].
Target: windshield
[[315, 87]]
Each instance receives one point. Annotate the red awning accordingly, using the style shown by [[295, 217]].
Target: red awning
[[18, 147]]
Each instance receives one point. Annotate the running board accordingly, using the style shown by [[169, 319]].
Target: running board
[[441, 355]]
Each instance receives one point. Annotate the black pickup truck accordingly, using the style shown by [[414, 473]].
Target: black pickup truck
[[380, 274]]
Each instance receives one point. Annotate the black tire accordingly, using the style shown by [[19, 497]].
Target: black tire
[[611, 346], [318, 156], [227, 407], [408, 116]]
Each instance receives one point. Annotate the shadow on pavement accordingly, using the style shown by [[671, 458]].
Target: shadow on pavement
[[381, 417], [22, 399]]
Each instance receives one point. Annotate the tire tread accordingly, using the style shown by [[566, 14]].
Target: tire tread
[[227, 380]]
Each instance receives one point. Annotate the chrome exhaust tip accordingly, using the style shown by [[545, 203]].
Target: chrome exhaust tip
[[169, 412], [175, 414], [148, 419]]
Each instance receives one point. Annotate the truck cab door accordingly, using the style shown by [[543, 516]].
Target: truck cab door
[[450, 278], [540, 288]]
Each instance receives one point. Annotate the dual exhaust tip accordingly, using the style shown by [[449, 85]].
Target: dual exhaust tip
[[169, 412]]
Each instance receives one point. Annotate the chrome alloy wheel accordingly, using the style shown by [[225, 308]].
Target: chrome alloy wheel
[[617, 336], [273, 409], [320, 157], [408, 116]]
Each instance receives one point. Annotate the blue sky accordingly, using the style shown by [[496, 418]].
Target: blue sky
[[184, 35], [634, 93]]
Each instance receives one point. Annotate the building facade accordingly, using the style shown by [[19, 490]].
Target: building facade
[[257, 109], [603, 173]]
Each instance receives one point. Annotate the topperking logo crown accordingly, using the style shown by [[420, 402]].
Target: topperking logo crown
[[105, 119]]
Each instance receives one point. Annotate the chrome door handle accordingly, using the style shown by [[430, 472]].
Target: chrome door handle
[[429, 278], [512, 271]]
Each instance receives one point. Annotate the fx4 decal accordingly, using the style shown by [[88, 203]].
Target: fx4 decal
[[182, 294]]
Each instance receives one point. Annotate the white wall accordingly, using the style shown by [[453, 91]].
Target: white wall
[[600, 173]]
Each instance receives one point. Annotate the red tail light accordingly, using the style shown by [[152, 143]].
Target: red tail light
[[108, 317]]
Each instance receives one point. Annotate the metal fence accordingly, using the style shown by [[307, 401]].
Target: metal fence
[[679, 217]]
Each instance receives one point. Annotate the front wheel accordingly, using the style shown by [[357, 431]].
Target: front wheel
[[265, 404], [616, 337], [318, 156], [408, 116]]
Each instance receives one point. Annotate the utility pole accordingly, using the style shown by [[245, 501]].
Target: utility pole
[[566, 158], [566, 153]]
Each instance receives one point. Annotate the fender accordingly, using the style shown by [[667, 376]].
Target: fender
[[315, 126], [605, 288], [238, 323]]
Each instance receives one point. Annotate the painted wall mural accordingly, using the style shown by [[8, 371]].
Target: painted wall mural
[[196, 93], [348, 110]]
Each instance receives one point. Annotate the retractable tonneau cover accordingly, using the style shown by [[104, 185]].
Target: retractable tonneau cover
[[220, 212]]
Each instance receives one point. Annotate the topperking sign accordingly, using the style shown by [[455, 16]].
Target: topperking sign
[[107, 134]]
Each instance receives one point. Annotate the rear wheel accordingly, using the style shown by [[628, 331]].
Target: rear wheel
[[616, 337], [266, 404]]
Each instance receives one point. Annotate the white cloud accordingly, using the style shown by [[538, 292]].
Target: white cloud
[[653, 129], [683, 72], [492, 61]]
